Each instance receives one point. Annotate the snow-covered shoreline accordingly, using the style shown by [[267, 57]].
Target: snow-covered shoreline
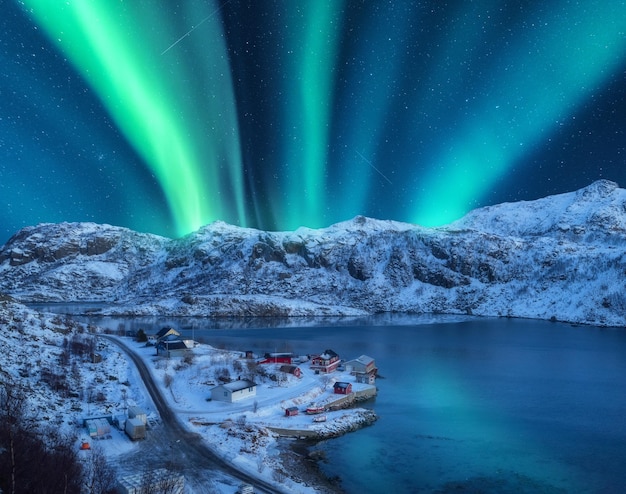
[[45, 354], [247, 432]]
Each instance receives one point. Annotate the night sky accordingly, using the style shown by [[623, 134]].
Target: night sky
[[165, 116]]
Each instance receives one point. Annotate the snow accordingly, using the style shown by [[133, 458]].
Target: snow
[[189, 393], [238, 432], [558, 257]]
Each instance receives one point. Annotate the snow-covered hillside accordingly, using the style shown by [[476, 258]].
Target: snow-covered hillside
[[560, 257]]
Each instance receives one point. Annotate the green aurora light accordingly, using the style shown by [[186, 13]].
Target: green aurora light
[[198, 166], [536, 86], [412, 111]]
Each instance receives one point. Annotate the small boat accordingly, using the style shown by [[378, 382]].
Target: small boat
[[314, 409], [319, 418]]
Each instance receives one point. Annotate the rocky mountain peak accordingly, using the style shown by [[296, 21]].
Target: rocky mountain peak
[[559, 257]]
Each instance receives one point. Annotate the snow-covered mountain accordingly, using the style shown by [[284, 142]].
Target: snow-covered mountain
[[561, 257]]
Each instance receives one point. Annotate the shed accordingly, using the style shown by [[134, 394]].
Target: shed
[[135, 429], [364, 378], [98, 427], [342, 388], [291, 369], [291, 411], [233, 391], [136, 412]]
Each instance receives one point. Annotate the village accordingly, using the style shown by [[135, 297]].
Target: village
[[219, 393]]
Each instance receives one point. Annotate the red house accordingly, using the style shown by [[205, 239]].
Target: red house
[[276, 358], [291, 411], [342, 388], [326, 362]]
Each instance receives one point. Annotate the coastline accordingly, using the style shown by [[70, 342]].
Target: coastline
[[298, 458]]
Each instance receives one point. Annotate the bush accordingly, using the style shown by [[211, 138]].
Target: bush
[[141, 336]]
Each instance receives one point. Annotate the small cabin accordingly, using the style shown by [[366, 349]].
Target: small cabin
[[366, 378], [342, 388], [291, 411], [291, 369]]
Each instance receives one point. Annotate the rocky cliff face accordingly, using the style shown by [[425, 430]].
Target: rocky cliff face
[[559, 257]]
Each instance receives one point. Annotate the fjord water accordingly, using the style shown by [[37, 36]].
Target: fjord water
[[465, 404], [480, 405], [491, 406]]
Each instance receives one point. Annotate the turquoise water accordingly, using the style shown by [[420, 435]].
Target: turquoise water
[[491, 406], [478, 405], [475, 405]]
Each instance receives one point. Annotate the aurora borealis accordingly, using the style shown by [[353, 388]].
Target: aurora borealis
[[280, 114]]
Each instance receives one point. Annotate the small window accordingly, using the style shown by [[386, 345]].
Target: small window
[[225, 393]]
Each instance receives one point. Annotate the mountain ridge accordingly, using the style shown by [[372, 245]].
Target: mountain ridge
[[561, 257]]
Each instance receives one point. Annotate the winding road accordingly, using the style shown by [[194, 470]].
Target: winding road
[[181, 449]]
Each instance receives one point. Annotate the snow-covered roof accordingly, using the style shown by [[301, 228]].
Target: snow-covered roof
[[167, 331], [363, 359], [237, 385], [328, 354]]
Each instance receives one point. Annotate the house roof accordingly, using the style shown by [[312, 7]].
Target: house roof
[[287, 368], [237, 385], [165, 331], [174, 345], [342, 385], [328, 354], [363, 359]]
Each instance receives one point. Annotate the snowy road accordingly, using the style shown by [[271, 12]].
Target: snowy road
[[172, 445]]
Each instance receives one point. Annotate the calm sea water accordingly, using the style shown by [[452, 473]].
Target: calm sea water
[[478, 405]]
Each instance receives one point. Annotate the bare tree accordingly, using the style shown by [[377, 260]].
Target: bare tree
[[160, 481], [98, 476], [253, 370], [326, 381], [168, 380], [24, 446], [12, 404]]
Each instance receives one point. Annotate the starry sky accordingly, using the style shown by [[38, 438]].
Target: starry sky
[[274, 114]]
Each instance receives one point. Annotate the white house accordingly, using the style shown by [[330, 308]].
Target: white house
[[233, 391]]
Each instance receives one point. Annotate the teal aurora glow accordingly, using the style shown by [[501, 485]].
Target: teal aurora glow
[[283, 114]]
